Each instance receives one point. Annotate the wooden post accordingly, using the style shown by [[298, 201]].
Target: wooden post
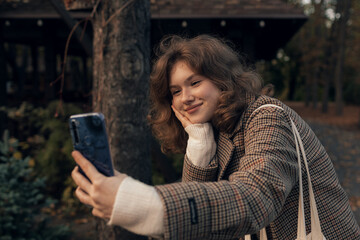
[[50, 67], [3, 74], [35, 67], [3, 82]]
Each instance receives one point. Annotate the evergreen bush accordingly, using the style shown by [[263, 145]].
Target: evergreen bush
[[22, 198], [45, 136]]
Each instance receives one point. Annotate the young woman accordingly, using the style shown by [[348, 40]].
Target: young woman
[[240, 166]]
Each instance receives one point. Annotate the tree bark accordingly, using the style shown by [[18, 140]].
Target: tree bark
[[120, 87]]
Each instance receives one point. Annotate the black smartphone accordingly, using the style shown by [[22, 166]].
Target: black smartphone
[[89, 137]]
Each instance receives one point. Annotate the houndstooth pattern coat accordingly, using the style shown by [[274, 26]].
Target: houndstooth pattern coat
[[253, 183]]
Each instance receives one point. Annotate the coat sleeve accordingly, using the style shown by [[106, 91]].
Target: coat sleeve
[[193, 173], [251, 198], [200, 162]]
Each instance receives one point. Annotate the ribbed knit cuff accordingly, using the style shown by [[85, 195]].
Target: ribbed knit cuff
[[138, 208], [201, 146]]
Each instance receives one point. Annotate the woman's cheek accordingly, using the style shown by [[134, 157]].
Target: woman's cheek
[[175, 104]]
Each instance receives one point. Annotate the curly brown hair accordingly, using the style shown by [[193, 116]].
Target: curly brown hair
[[210, 57]]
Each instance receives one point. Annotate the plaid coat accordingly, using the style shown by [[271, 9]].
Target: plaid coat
[[253, 183]]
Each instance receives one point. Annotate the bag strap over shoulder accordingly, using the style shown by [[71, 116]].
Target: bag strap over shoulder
[[315, 222]]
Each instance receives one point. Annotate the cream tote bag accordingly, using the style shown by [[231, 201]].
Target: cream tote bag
[[316, 233]]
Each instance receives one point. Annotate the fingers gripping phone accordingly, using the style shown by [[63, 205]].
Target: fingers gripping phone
[[89, 137]]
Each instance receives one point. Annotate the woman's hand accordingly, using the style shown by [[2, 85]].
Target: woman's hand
[[182, 118], [100, 193]]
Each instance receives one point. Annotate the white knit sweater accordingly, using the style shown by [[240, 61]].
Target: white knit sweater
[[138, 207]]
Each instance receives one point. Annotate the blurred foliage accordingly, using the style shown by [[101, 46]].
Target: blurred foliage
[[303, 68], [176, 162], [44, 135], [22, 199], [157, 178]]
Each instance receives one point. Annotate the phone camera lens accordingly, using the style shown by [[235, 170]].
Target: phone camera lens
[[96, 121]]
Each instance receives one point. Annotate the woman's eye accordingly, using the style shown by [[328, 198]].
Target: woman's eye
[[194, 83], [175, 92]]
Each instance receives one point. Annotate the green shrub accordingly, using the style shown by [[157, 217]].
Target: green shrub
[[22, 198], [44, 135]]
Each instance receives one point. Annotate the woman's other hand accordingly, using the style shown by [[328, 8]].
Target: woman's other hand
[[184, 120], [100, 193]]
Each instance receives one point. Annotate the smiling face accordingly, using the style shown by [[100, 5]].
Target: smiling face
[[194, 95]]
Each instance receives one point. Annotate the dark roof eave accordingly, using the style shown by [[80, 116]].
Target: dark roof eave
[[80, 15], [19, 15], [245, 16]]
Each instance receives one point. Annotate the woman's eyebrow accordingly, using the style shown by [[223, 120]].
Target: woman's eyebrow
[[188, 79]]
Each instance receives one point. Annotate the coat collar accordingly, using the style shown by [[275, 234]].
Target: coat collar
[[225, 146]]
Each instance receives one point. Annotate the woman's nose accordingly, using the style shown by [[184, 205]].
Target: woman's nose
[[187, 96]]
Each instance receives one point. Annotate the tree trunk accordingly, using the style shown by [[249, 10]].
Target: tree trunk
[[325, 96], [315, 53], [339, 69], [314, 88], [328, 72], [121, 68], [307, 86]]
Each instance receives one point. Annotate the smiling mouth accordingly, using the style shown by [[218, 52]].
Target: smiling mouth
[[193, 108]]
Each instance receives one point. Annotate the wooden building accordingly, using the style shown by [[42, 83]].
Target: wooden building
[[33, 35]]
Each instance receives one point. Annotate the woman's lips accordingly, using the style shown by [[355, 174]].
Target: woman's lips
[[193, 108]]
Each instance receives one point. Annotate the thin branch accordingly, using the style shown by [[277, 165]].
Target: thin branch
[[67, 48], [84, 28], [94, 9], [62, 75], [55, 81]]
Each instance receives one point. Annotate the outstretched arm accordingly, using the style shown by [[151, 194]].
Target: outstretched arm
[[121, 199]]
